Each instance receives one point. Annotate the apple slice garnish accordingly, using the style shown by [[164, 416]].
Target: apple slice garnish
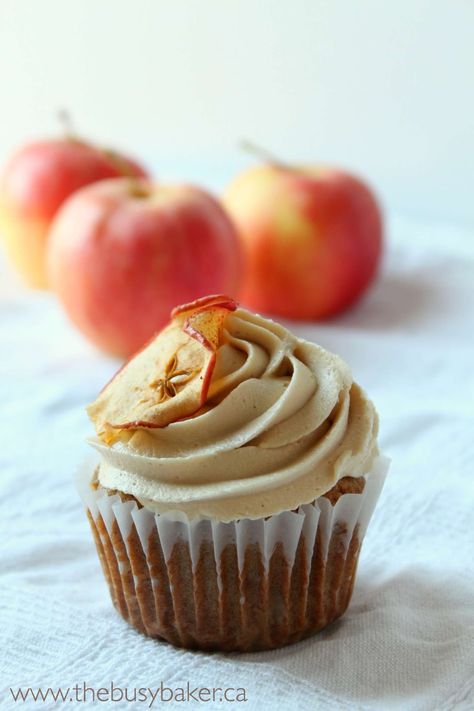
[[168, 380], [205, 302]]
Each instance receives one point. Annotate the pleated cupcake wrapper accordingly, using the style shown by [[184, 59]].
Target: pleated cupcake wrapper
[[349, 511]]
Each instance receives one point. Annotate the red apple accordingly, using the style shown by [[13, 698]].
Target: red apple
[[312, 237], [121, 255], [35, 183]]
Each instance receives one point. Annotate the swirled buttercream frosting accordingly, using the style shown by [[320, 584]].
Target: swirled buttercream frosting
[[227, 415]]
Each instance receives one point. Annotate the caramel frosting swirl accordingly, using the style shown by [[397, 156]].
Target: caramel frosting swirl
[[282, 423]]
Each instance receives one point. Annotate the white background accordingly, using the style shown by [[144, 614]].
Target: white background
[[385, 88]]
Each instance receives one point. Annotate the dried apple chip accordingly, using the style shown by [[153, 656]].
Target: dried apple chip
[[206, 326], [205, 302], [168, 380]]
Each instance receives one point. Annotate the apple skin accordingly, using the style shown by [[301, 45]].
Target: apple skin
[[121, 256], [312, 239], [35, 183]]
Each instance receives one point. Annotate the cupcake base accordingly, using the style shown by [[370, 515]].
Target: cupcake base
[[241, 586]]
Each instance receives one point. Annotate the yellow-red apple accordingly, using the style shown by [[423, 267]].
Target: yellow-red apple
[[312, 237], [122, 254], [35, 183]]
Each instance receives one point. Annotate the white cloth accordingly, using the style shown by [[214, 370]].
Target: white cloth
[[407, 640]]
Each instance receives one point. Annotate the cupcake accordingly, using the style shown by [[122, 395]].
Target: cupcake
[[238, 469]]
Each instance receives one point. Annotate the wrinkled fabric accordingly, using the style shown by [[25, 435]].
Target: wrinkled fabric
[[407, 639]]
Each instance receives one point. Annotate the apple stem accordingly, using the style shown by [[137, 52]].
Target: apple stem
[[265, 155], [64, 118], [121, 164], [136, 188]]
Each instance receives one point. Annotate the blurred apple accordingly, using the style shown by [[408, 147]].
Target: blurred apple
[[35, 183], [312, 237], [122, 254]]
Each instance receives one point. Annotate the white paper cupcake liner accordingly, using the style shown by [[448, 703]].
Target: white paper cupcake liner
[[321, 526]]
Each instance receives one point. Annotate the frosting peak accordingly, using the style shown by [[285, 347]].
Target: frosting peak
[[281, 421]]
